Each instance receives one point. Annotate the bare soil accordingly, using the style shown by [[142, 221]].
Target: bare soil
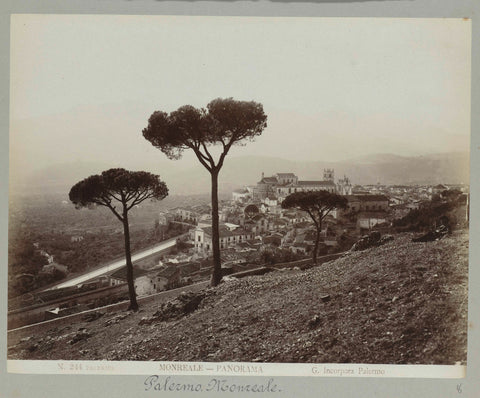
[[400, 303]]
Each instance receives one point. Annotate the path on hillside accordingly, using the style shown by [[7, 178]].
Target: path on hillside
[[115, 265], [15, 335]]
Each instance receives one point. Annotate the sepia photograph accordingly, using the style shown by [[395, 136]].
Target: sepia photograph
[[228, 193]]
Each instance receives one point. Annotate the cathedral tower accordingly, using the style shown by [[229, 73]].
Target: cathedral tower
[[328, 174]]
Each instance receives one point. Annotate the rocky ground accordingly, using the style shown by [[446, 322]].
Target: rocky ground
[[399, 303]]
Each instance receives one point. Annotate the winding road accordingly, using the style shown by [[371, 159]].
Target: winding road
[[115, 265]]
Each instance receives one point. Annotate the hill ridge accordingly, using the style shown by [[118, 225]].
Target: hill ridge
[[238, 171]]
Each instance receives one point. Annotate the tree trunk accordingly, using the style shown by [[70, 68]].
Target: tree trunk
[[315, 249], [217, 267], [317, 240], [128, 257]]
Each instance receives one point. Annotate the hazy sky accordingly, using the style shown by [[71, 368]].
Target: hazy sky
[[83, 87]]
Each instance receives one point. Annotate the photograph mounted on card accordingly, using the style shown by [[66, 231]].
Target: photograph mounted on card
[[256, 196]]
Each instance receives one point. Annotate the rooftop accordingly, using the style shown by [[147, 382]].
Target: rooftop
[[168, 272], [122, 273], [269, 180], [325, 183], [224, 231], [372, 214], [366, 198]]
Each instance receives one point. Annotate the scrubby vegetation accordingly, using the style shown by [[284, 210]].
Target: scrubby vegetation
[[77, 239], [273, 255], [446, 209]]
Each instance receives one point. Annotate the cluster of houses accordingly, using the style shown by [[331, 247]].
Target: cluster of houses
[[254, 219], [149, 282], [368, 207]]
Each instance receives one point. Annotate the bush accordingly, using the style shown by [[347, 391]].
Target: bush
[[273, 255], [183, 246], [427, 217]]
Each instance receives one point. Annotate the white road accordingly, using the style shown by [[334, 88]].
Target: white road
[[115, 265]]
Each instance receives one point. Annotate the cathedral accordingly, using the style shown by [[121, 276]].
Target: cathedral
[[281, 185]]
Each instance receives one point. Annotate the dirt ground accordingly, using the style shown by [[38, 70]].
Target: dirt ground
[[400, 303]]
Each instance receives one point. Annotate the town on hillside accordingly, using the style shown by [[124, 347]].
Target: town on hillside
[[256, 233]]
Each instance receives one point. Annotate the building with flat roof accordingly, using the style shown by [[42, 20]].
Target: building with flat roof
[[228, 237]]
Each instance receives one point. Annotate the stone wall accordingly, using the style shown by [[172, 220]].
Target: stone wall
[[15, 335]]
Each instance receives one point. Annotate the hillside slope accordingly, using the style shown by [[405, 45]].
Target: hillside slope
[[401, 303]]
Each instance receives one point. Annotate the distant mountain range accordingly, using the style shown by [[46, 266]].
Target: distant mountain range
[[448, 168]]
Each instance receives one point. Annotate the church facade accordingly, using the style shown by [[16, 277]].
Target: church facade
[[280, 185]]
